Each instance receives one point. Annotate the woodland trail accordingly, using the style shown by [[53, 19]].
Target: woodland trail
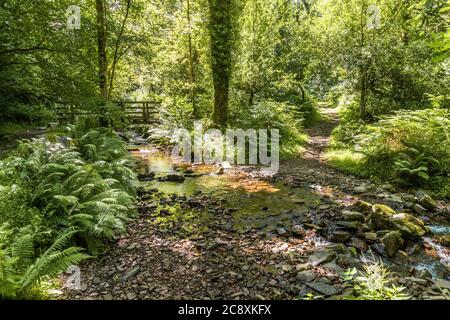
[[311, 168], [280, 254]]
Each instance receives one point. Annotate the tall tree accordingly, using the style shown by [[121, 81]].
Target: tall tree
[[364, 66], [221, 33], [191, 60], [117, 45], [101, 40]]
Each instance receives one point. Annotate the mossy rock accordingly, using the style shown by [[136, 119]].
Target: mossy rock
[[445, 240], [427, 202], [348, 225], [381, 208], [364, 206], [353, 216], [408, 225], [392, 242], [385, 218], [380, 217]]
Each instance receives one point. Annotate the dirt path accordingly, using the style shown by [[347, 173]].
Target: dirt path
[[311, 168], [320, 134]]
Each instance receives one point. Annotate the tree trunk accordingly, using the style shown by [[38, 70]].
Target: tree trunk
[[191, 62], [116, 48], [221, 32], [363, 102], [220, 116], [102, 59], [363, 68]]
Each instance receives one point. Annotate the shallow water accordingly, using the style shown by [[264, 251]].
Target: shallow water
[[260, 204], [439, 229], [249, 196], [257, 202], [442, 252]]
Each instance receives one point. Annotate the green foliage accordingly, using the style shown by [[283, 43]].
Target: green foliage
[[414, 167], [348, 161], [271, 114], [21, 272], [221, 28], [373, 283], [386, 69], [271, 68], [107, 153], [310, 297], [80, 187], [409, 146], [8, 129], [73, 189], [37, 114]]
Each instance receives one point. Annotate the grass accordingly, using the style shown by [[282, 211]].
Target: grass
[[294, 147], [347, 160]]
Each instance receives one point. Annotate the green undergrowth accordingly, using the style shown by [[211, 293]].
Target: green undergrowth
[[61, 197], [410, 148], [348, 161]]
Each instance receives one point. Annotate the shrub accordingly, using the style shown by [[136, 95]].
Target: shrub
[[108, 154], [409, 146], [51, 192], [72, 190], [270, 114], [373, 283], [37, 114], [21, 271]]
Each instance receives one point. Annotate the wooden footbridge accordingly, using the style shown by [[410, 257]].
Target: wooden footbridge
[[131, 112]]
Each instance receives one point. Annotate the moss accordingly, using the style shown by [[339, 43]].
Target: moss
[[383, 209], [408, 225], [385, 218], [364, 206], [392, 242], [380, 217]]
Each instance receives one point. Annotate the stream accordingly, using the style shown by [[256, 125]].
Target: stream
[[264, 205]]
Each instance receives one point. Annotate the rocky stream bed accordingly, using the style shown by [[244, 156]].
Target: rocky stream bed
[[221, 232], [209, 232]]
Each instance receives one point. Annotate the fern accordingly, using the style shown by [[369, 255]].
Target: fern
[[85, 192], [21, 272], [373, 283], [55, 260], [415, 167], [409, 147]]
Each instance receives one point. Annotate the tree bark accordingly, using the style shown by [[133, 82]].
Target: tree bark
[[102, 59], [220, 116], [191, 62], [116, 49], [363, 67], [101, 39], [221, 32]]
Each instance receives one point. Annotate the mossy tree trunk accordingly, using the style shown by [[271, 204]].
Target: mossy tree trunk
[[102, 58], [221, 32]]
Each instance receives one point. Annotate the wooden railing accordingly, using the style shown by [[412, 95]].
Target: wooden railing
[[141, 111], [133, 112]]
